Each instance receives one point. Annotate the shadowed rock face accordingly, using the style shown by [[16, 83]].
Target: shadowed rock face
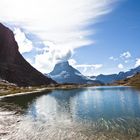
[[13, 67]]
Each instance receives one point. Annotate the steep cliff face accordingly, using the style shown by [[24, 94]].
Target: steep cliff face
[[13, 67]]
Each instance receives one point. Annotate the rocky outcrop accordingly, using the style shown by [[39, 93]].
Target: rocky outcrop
[[13, 67]]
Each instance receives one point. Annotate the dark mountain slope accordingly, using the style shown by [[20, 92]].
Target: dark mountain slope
[[13, 67]]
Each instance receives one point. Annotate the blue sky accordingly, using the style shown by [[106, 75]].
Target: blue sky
[[94, 36], [118, 32]]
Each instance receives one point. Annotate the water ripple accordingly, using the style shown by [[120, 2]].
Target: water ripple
[[17, 127]]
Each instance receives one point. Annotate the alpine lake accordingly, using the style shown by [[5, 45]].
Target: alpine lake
[[91, 113]]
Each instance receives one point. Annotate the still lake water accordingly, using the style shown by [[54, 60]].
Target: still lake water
[[88, 113]]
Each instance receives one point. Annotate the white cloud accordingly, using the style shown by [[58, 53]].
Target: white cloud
[[126, 55], [120, 66], [25, 45], [95, 66], [59, 23], [46, 60], [63, 22], [113, 58], [137, 62], [86, 69], [72, 62]]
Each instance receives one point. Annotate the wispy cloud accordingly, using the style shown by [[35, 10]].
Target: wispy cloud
[[95, 66], [113, 58], [86, 69], [61, 24], [126, 55]]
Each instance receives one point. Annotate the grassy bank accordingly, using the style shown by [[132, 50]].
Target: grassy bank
[[133, 81], [10, 90]]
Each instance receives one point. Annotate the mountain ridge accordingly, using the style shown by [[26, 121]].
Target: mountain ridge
[[65, 73], [111, 78], [131, 81], [13, 67]]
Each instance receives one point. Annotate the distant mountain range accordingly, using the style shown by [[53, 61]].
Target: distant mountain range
[[131, 81], [107, 79], [64, 73], [13, 67]]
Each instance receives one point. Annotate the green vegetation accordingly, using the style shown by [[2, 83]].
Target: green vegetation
[[10, 89]]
